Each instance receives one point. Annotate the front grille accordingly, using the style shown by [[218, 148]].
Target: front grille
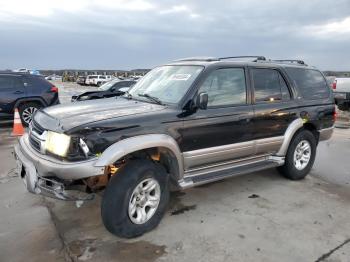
[[37, 128], [34, 143], [37, 136]]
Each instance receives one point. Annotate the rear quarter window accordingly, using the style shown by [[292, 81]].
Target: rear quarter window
[[38, 82], [310, 83]]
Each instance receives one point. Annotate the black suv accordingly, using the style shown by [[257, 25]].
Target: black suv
[[184, 124], [26, 92]]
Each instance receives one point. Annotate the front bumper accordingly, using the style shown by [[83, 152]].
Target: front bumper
[[45, 175]]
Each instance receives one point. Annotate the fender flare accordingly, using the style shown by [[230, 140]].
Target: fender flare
[[133, 144], [288, 135]]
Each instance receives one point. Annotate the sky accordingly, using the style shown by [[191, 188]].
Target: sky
[[130, 34]]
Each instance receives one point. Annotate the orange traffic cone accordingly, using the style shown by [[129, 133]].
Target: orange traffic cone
[[18, 128]]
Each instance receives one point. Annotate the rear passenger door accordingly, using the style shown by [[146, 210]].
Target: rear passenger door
[[274, 108], [11, 89]]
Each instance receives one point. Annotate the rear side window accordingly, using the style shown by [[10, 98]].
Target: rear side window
[[9, 82], [38, 82], [310, 83], [269, 86]]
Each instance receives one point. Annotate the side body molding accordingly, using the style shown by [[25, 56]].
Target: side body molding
[[288, 135], [129, 145]]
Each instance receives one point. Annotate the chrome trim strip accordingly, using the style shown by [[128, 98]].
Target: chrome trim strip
[[224, 166], [195, 158], [288, 135], [235, 169], [216, 154], [326, 133]]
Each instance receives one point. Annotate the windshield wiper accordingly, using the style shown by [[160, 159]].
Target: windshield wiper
[[153, 98]]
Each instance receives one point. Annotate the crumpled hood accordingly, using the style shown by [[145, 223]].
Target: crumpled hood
[[67, 116]]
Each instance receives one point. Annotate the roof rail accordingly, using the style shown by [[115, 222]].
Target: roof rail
[[199, 58], [257, 58], [292, 61]]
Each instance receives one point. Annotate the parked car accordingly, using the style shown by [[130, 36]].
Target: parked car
[[54, 77], [341, 90], [97, 80], [21, 70], [184, 124], [110, 89], [81, 80], [26, 92]]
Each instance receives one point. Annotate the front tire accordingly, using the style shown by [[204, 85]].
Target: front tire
[[300, 156], [135, 199]]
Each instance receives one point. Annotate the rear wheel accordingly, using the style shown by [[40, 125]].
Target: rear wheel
[[300, 156], [135, 199], [26, 112]]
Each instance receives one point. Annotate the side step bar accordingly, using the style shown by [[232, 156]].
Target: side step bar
[[214, 173]]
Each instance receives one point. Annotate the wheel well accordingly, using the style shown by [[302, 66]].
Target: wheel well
[[312, 128], [21, 102], [161, 155]]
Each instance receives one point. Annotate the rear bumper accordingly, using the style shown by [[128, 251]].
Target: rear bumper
[[326, 133], [341, 97], [47, 176]]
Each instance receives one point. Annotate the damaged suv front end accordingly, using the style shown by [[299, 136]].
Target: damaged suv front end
[[54, 164]]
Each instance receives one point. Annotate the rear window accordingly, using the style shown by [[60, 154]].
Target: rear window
[[310, 83]]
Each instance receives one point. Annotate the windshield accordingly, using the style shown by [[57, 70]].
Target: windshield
[[108, 85], [166, 83]]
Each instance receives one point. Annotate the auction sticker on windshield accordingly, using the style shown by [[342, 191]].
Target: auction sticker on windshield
[[180, 77]]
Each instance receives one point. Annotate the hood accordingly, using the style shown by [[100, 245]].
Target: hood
[[67, 116]]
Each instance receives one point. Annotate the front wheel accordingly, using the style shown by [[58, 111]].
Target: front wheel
[[26, 112], [300, 156], [135, 199]]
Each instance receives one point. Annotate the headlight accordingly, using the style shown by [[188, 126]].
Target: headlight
[[57, 144]]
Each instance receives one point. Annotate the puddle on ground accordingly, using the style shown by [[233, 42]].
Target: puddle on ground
[[175, 205], [91, 249]]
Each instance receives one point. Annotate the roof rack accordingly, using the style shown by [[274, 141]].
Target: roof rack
[[198, 58], [292, 61], [257, 58]]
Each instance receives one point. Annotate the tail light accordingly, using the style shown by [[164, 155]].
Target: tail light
[[54, 89], [335, 113], [334, 85]]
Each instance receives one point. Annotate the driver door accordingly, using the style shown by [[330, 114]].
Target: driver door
[[223, 131]]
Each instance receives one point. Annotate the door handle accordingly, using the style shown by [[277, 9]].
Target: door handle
[[18, 92]]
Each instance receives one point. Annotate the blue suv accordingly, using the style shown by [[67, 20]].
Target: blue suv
[[26, 92]]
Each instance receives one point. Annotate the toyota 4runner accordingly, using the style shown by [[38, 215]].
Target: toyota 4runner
[[184, 124]]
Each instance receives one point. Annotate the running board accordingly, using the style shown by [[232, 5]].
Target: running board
[[214, 173]]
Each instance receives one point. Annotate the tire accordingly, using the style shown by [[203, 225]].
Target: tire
[[119, 194], [343, 107], [26, 112], [297, 170]]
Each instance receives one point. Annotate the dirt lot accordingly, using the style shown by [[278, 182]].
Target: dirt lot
[[257, 217]]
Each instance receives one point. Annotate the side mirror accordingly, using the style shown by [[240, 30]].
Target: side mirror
[[202, 100]]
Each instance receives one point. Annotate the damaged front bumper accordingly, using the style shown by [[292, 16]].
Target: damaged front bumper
[[46, 175]]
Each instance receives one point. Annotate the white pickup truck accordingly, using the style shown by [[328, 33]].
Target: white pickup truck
[[97, 80], [341, 90]]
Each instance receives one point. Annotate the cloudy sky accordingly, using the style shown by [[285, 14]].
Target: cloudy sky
[[127, 34]]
